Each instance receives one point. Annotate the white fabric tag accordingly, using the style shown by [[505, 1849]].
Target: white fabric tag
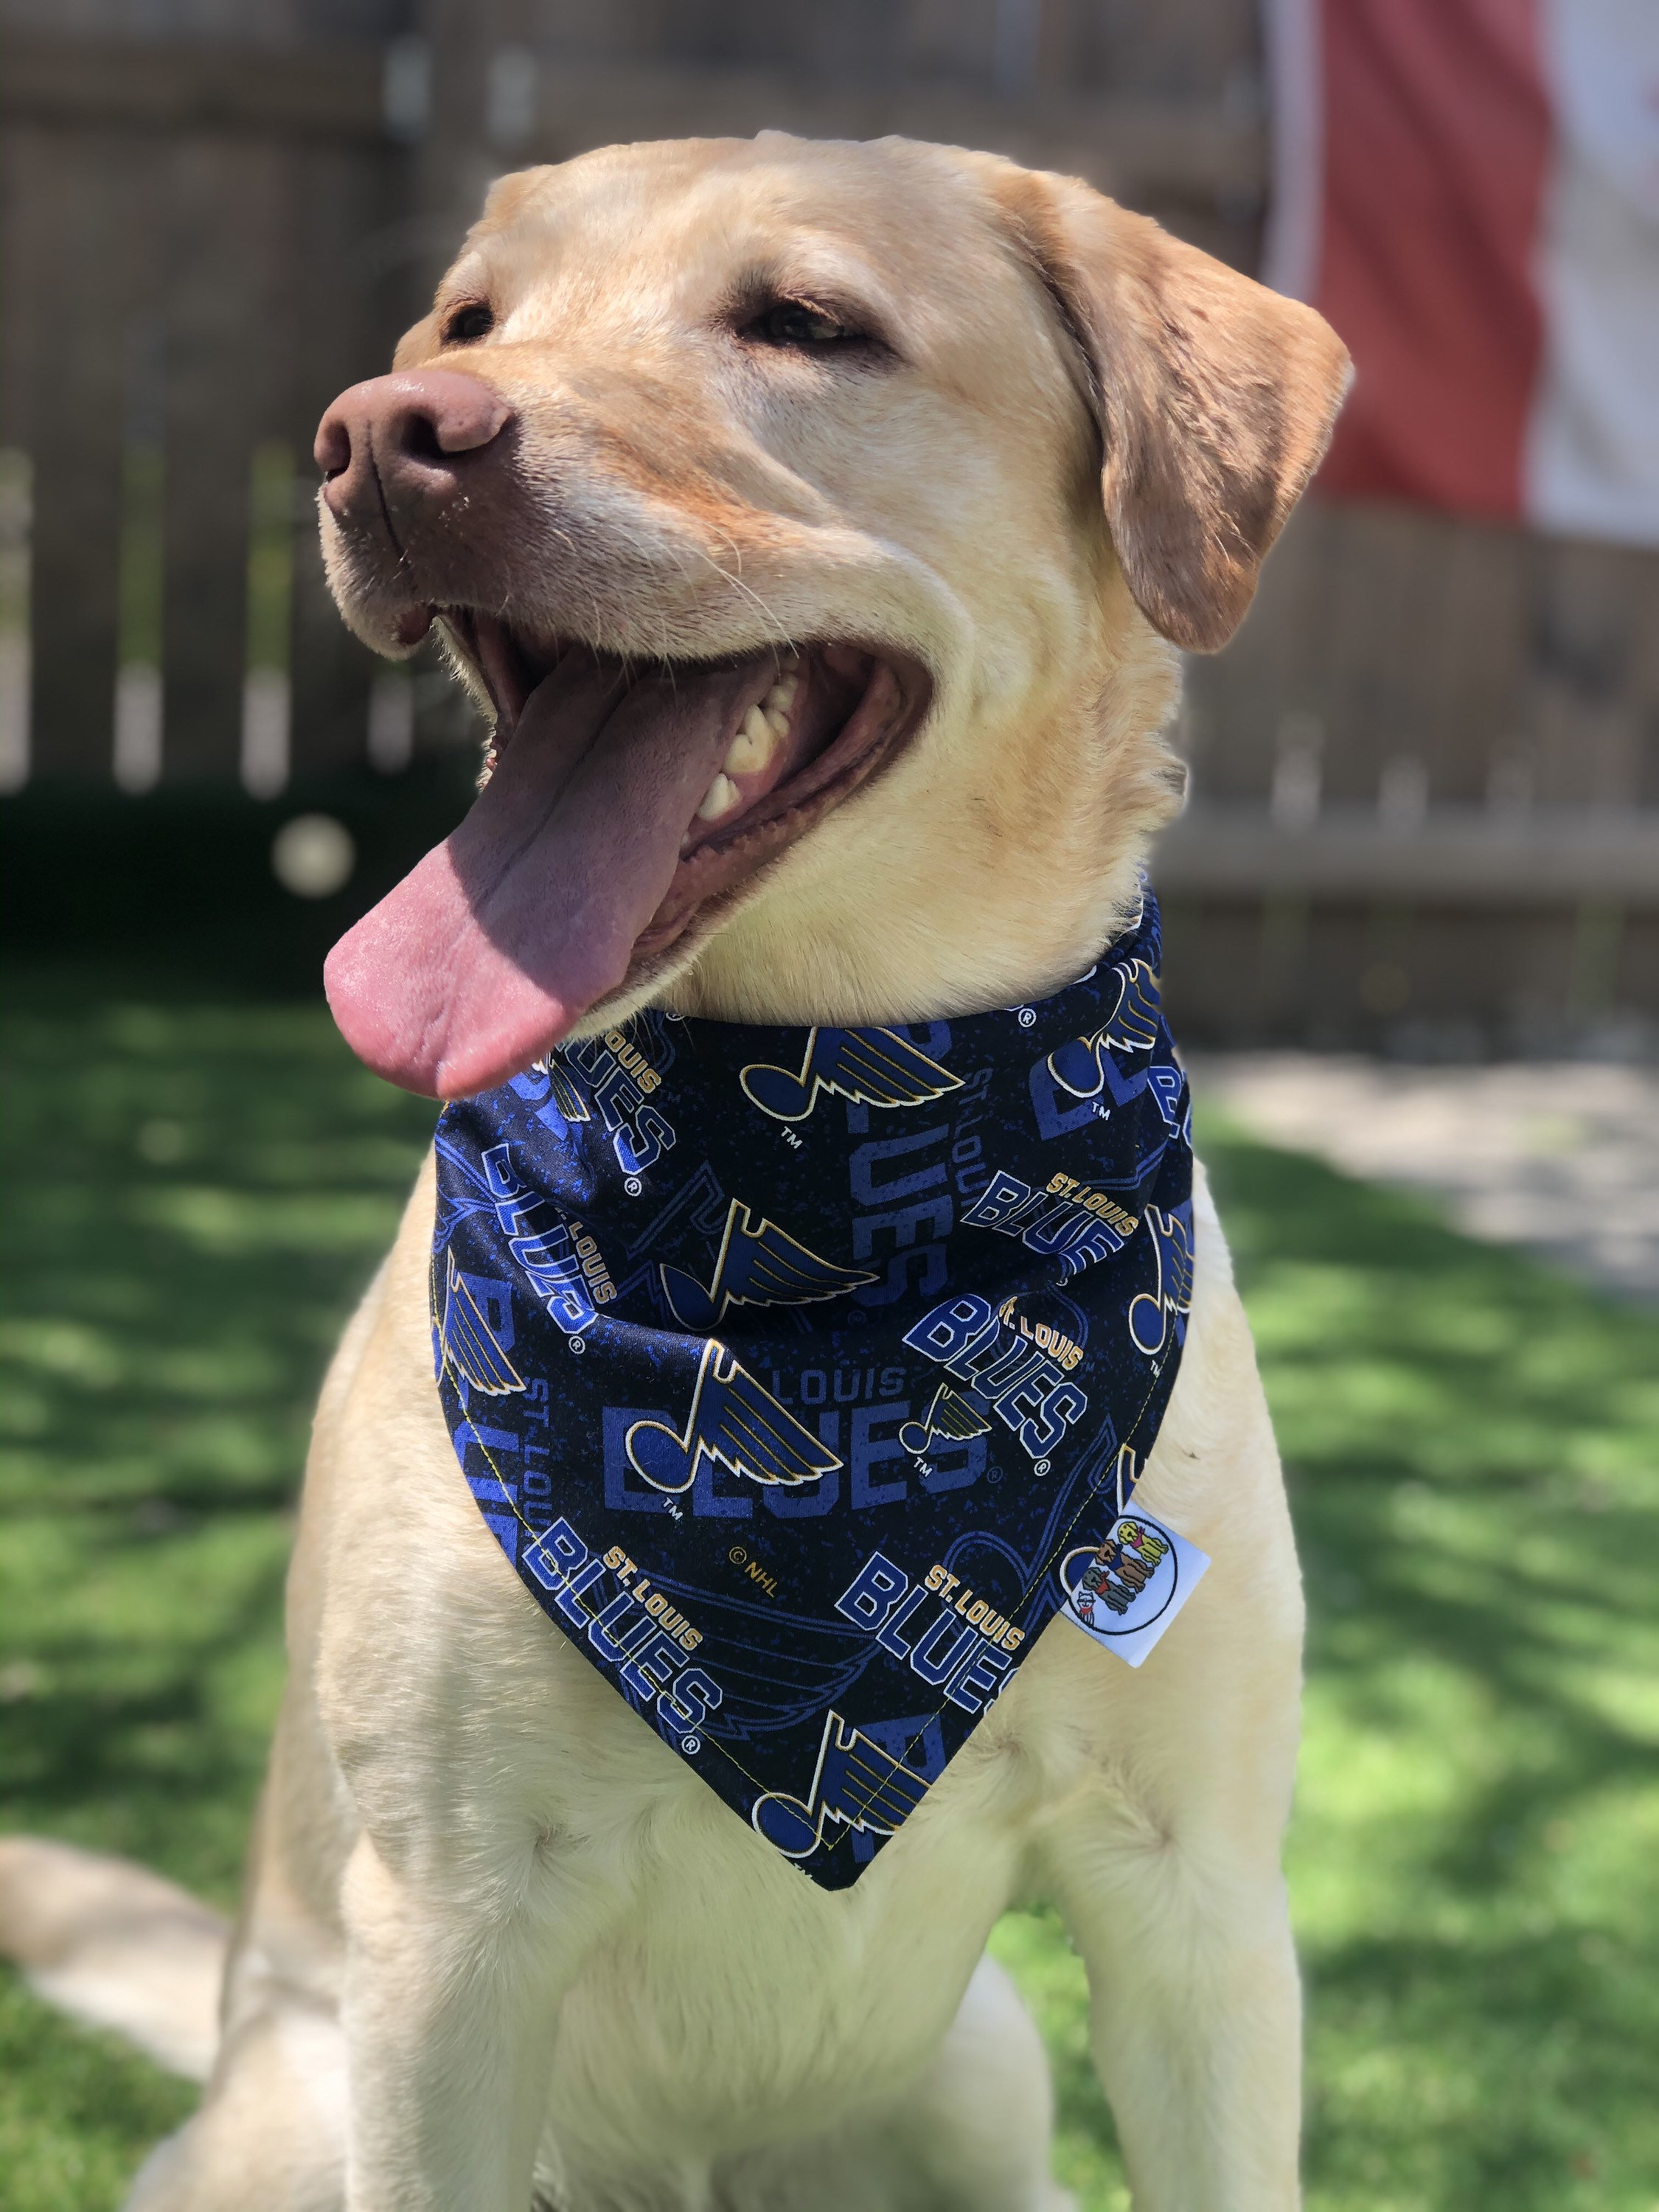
[[1124, 1591]]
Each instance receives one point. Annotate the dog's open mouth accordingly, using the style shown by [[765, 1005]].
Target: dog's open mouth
[[626, 801]]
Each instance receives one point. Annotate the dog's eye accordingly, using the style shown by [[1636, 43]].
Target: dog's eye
[[467, 325], [792, 323]]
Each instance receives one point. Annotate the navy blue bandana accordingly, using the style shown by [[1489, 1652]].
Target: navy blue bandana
[[803, 1375]]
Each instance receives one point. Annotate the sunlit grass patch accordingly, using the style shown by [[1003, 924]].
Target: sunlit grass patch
[[1473, 1449], [77, 2110]]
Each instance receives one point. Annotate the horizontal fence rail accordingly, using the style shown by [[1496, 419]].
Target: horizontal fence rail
[[338, 95], [1462, 856], [552, 108]]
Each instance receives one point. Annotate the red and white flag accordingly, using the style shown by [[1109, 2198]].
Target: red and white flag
[[1469, 191]]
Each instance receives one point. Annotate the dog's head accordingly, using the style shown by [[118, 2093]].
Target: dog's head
[[809, 519]]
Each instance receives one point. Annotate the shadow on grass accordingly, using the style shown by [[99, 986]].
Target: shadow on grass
[[196, 1195], [141, 1688]]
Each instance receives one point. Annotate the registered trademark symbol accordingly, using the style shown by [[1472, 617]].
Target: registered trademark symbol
[[577, 1343], [633, 1186], [690, 1745], [1027, 1018], [1040, 1467]]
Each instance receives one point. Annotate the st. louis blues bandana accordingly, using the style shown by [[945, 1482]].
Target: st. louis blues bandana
[[803, 1375]]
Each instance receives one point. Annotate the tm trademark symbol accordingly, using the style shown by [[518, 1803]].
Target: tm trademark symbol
[[791, 1140]]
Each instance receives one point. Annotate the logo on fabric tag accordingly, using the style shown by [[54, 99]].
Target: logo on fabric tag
[[1126, 1590]]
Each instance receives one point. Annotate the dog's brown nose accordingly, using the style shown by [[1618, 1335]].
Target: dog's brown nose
[[403, 438]]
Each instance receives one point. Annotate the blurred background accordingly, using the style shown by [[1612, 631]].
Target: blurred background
[[1411, 910], [1426, 811]]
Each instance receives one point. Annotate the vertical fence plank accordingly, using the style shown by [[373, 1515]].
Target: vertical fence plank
[[352, 294], [1479, 646], [1375, 552], [226, 365], [18, 233], [1591, 672], [458, 157], [70, 291], [1275, 666]]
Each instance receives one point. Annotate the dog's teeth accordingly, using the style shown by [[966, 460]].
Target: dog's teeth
[[721, 796], [751, 749], [782, 694]]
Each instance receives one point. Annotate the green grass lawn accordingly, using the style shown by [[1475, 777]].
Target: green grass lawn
[[194, 1194]]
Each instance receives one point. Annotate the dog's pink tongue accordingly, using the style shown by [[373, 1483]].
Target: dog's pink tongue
[[500, 939]]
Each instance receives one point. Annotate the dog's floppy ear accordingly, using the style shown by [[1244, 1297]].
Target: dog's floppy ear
[[1215, 398]]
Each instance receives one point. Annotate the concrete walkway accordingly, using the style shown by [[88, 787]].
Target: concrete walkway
[[1562, 1158]]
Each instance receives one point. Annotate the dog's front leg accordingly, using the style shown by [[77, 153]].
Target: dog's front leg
[[1195, 2018], [451, 2006], [1166, 1866]]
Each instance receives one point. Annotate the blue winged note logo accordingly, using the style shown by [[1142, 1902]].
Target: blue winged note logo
[[471, 1347], [567, 1093], [870, 1067], [757, 1266], [855, 1782], [1171, 1298], [734, 1423], [951, 1416], [1132, 1026]]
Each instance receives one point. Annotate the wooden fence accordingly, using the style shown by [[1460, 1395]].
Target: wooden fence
[[1426, 775], [200, 247], [203, 239], [1426, 795]]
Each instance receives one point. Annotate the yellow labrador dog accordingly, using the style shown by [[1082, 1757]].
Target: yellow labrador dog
[[941, 457]]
